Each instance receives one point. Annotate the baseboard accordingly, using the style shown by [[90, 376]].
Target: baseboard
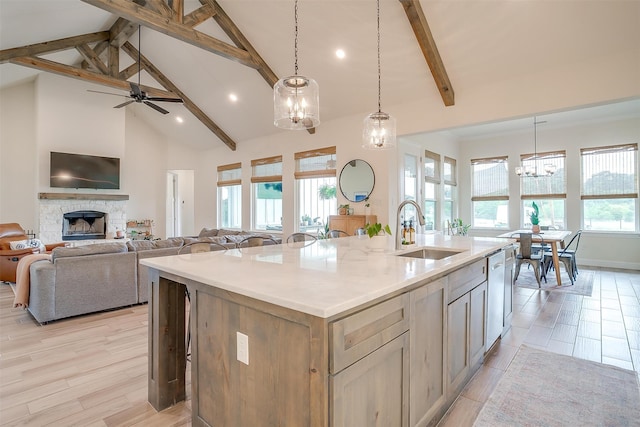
[[586, 263]]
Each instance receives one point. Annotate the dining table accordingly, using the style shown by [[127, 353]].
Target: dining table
[[554, 238]]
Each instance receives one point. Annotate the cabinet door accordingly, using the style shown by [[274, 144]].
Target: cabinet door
[[457, 344], [477, 327], [374, 391], [428, 313]]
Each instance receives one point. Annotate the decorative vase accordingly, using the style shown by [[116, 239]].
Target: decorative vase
[[378, 243], [535, 228]]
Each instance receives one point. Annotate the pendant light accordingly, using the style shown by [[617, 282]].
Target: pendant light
[[296, 99], [379, 128], [532, 171]]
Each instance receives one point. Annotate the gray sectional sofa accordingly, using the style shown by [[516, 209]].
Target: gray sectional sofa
[[103, 276]]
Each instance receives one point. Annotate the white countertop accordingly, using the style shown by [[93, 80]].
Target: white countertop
[[324, 278]]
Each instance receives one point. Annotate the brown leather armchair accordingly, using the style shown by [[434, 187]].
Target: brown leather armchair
[[9, 258]]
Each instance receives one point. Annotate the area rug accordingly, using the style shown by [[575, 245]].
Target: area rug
[[547, 389], [583, 285]]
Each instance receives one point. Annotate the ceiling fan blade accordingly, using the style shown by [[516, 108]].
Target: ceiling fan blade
[[135, 89], [156, 107], [164, 99], [124, 104], [107, 93]]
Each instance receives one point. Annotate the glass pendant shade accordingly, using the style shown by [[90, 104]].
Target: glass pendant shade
[[296, 102], [379, 131]]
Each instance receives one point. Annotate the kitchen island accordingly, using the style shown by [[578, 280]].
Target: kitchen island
[[328, 334]]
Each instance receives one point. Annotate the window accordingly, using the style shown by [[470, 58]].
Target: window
[[548, 191], [450, 189], [266, 180], [609, 188], [230, 196], [431, 188], [316, 183], [490, 192]]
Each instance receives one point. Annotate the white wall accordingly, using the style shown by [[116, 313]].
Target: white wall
[[18, 176]]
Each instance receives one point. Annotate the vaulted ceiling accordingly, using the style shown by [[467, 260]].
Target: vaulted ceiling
[[203, 50]]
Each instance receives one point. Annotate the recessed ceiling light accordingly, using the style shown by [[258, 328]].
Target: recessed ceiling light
[[340, 53], [233, 97], [179, 119]]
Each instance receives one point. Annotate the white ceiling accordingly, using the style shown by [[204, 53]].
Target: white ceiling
[[481, 43]]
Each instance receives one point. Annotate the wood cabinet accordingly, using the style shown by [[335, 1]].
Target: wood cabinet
[[374, 391], [466, 325], [428, 353], [369, 363], [350, 223]]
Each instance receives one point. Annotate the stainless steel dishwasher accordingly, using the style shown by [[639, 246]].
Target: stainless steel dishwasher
[[495, 297]]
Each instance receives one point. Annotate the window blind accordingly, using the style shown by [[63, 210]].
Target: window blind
[[318, 163], [490, 179], [609, 172], [268, 169], [229, 175], [431, 167], [449, 173], [548, 187]]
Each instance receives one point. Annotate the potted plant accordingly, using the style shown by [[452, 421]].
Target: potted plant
[[343, 209], [377, 235], [460, 228], [306, 219], [535, 220]]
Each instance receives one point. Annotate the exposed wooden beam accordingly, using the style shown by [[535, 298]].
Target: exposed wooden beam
[[52, 46], [429, 49], [90, 56], [188, 103], [160, 7], [136, 13], [131, 70], [198, 16], [178, 10], [86, 75]]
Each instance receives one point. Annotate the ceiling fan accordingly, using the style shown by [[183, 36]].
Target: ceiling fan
[[140, 96]]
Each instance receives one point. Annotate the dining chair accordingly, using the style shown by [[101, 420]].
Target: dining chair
[[526, 256], [332, 234], [361, 231], [567, 256]]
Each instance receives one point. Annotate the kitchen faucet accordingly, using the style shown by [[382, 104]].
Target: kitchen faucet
[[420, 219]]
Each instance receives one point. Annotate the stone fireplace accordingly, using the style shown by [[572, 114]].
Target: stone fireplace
[[59, 211]]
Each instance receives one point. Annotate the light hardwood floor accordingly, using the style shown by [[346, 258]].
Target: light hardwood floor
[[92, 370]]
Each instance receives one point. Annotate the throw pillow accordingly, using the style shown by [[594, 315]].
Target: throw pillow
[[28, 244]]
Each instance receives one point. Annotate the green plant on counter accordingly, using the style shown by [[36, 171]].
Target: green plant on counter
[[377, 228]]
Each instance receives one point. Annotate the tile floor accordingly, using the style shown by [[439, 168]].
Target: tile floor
[[604, 327]]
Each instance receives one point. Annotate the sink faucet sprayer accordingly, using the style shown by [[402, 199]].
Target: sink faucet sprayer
[[420, 219]]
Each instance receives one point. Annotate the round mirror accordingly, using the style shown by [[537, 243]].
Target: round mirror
[[356, 180]]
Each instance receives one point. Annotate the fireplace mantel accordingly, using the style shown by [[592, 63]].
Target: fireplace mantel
[[81, 196]]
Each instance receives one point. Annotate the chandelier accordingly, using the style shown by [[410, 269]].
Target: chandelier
[[531, 170], [379, 128], [296, 99]]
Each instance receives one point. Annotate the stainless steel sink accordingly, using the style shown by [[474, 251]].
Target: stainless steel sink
[[431, 253]]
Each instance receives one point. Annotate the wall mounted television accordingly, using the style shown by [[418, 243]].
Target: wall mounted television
[[83, 171]]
